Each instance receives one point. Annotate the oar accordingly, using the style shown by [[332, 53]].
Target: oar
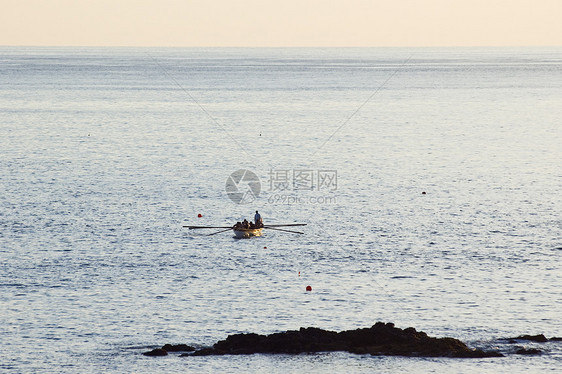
[[218, 232], [208, 227], [288, 224], [294, 232]]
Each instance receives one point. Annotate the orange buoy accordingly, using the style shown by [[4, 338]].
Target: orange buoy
[[299, 273], [308, 288]]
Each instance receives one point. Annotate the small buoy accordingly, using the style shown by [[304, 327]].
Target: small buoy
[[299, 273], [423, 193], [308, 288], [199, 215], [264, 247]]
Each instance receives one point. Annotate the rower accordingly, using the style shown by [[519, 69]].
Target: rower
[[257, 220]]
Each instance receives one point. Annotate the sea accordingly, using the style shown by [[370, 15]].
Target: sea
[[429, 180]]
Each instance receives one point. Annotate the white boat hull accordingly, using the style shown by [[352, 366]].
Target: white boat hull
[[247, 233]]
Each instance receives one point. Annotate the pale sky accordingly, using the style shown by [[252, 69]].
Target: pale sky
[[258, 23]]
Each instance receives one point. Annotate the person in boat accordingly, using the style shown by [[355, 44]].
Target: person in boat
[[252, 226], [237, 225], [245, 224], [257, 220]]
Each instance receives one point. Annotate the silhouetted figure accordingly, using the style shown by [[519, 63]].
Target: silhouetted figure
[[258, 220]]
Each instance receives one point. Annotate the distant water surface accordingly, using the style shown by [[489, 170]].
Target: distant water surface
[[107, 152]]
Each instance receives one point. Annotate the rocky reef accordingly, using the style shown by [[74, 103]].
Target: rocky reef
[[380, 339], [530, 338], [169, 348]]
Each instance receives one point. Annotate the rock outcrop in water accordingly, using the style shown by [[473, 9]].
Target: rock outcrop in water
[[540, 338], [530, 351], [532, 338], [169, 348], [156, 352], [380, 339]]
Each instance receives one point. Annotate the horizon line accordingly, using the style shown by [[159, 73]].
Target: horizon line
[[280, 46]]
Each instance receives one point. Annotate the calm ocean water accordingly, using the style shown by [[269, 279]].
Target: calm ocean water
[[106, 153]]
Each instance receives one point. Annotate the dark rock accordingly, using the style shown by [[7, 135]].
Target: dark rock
[[530, 351], [555, 339], [533, 338], [202, 352], [178, 348], [380, 339], [156, 352]]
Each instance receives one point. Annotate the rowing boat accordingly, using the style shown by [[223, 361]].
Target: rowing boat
[[241, 233], [247, 233]]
